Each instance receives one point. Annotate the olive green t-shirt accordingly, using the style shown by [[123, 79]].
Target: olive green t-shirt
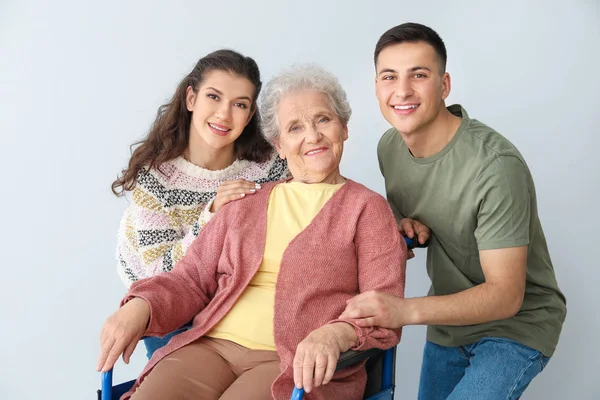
[[476, 194]]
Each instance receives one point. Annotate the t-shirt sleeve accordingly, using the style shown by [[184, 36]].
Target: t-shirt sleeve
[[380, 149], [504, 199]]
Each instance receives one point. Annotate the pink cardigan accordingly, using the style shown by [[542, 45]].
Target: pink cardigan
[[351, 246]]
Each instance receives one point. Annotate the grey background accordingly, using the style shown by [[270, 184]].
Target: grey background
[[80, 81]]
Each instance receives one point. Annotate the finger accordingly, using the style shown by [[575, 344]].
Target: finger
[[422, 231], [129, 351], [113, 356], [359, 311], [298, 363], [104, 350], [232, 196], [369, 321], [308, 368], [410, 254], [239, 183], [321, 362], [331, 364], [361, 297], [407, 228]]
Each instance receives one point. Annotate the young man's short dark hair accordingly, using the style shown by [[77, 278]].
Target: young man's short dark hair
[[412, 32]]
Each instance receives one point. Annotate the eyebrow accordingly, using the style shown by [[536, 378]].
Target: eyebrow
[[291, 123], [221, 94], [413, 69]]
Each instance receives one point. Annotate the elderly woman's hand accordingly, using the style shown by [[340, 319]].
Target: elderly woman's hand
[[317, 355], [122, 331]]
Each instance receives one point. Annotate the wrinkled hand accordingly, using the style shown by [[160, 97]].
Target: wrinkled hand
[[380, 309], [317, 355], [121, 332], [232, 190], [411, 227]]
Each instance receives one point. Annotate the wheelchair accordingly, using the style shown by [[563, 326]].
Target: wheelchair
[[380, 368]]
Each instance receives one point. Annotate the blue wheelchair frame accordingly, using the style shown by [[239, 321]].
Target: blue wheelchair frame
[[380, 376], [384, 390]]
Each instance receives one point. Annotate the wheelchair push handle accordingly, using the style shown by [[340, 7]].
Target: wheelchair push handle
[[297, 394], [414, 242]]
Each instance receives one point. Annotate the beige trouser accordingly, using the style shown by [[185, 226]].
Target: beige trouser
[[211, 369]]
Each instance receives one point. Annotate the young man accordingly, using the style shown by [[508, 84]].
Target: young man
[[494, 311]]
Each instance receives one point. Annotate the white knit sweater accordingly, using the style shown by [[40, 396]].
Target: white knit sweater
[[169, 206]]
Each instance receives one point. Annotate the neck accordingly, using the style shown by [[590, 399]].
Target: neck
[[431, 139], [209, 158], [334, 178]]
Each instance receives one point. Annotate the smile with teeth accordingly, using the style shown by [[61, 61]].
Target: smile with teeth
[[408, 107], [218, 128]]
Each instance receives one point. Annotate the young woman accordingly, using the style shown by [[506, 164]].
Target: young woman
[[205, 149]]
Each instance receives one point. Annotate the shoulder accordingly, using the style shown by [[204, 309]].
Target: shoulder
[[391, 138], [360, 195], [504, 169], [487, 143], [273, 169], [159, 175]]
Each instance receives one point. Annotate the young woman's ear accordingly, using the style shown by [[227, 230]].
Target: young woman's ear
[[190, 98]]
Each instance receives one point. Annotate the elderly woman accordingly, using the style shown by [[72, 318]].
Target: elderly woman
[[267, 278]]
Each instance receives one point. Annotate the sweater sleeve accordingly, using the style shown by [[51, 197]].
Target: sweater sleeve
[[148, 242], [381, 266], [177, 297]]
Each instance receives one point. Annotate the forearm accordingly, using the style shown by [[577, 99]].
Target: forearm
[[477, 305], [176, 297]]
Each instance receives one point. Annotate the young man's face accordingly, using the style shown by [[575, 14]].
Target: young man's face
[[410, 86]]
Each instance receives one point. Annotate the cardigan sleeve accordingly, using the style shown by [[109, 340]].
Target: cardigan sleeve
[[148, 243], [381, 266], [176, 297]]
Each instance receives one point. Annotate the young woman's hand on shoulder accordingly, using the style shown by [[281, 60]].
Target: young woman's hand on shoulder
[[232, 190]]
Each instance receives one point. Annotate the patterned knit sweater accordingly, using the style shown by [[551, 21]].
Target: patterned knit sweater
[[170, 205], [351, 246]]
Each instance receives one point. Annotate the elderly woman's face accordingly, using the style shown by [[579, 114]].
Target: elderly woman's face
[[311, 137]]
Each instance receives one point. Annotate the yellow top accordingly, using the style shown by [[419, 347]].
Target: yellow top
[[291, 208]]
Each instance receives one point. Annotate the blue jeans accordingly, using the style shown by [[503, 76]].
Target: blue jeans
[[154, 343], [490, 369]]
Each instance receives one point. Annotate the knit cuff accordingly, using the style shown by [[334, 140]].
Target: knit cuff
[[206, 215], [361, 332]]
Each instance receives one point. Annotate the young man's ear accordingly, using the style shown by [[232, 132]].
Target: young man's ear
[[446, 85]]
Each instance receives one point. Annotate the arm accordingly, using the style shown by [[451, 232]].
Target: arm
[[502, 235], [175, 298], [381, 267], [499, 297], [165, 302], [144, 249], [381, 262]]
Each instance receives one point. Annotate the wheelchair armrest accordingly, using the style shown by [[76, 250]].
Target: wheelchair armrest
[[351, 357]]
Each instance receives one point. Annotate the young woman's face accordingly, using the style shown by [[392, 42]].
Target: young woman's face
[[221, 108]]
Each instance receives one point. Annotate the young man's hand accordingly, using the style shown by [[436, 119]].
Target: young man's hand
[[411, 227], [381, 309]]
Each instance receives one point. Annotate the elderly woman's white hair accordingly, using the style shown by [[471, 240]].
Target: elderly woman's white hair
[[300, 77]]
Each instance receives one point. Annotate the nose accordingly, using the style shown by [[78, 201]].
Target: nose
[[403, 89], [224, 112], [312, 135]]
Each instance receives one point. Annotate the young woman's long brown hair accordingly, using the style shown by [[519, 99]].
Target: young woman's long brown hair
[[169, 134]]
